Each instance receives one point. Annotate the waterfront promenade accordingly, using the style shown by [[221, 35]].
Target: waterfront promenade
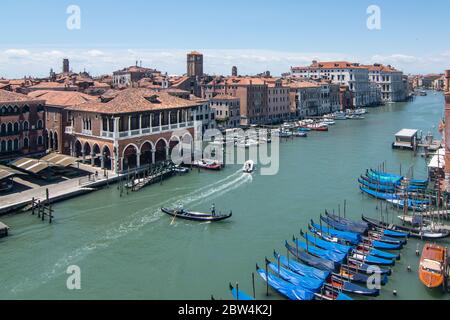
[[57, 191]]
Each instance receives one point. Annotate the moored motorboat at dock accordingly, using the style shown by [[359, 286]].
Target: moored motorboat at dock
[[207, 164], [249, 166], [432, 265]]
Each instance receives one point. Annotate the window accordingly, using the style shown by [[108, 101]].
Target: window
[[39, 124], [26, 126], [40, 141], [26, 143]]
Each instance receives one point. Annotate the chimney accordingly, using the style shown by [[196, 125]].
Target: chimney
[[447, 80]]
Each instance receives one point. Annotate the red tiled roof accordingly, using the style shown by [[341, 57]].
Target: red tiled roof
[[61, 98], [7, 96], [332, 65], [136, 100], [224, 97]]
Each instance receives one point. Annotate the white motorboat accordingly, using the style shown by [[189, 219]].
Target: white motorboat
[[340, 116], [249, 166]]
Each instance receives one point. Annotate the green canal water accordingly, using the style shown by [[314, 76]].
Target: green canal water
[[127, 249]]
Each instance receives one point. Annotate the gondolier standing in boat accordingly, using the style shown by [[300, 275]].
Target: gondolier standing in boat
[[213, 209]]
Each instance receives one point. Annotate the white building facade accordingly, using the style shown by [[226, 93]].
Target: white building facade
[[353, 75]]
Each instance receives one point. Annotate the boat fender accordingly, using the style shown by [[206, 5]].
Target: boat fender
[[394, 292], [409, 268]]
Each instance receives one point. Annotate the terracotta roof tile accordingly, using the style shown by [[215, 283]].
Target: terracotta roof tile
[[7, 96], [61, 98], [136, 100]]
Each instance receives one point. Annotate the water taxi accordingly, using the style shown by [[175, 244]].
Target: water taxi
[[432, 265]]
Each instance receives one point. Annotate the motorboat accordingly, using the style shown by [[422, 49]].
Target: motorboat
[[249, 166], [207, 164], [432, 265], [340, 116]]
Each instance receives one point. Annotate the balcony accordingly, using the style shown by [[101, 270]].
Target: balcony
[[86, 132], [69, 130]]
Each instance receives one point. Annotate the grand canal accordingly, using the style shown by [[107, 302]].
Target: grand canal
[[127, 249]]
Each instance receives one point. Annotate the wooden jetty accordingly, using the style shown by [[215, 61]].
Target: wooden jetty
[[3, 230], [136, 180]]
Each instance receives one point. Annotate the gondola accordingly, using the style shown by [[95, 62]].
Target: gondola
[[195, 216], [380, 236], [348, 287], [315, 285], [317, 241], [377, 253], [301, 268], [321, 253], [413, 232], [416, 182], [340, 219], [240, 295], [285, 288], [368, 259], [310, 260], [305, 282], [379, 195], [375, 239], [375, 183], [327, 265], [351, 237], [347, 227], [350, 272]]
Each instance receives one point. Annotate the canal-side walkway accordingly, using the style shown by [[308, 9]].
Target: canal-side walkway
[[57, 191]]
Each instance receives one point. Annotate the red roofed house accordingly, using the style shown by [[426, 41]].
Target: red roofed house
[[130, 128], [56, 119], [21, 125]]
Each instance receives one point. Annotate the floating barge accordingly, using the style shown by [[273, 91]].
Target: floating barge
[[406, 139]]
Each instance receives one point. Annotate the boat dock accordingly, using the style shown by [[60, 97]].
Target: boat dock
[[3, 230], [57, 192], [138, 180]]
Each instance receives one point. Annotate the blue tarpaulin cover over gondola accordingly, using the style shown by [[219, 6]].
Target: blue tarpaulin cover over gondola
[[379, 195], [285, 288], [301, 268], [382, 254], [326, 254], [319, 263], [395, 234], [307, 283], [384, 245], [339, 219], [395, 176], [336, 247], [343, 226], [354, 238], [240, 295]]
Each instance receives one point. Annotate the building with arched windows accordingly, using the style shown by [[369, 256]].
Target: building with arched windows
[[56, 119], [21, 125], [132, 128]]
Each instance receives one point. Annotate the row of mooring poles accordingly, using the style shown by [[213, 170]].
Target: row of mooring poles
[[42, 208]]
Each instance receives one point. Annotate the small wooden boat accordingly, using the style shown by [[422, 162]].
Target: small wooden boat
[[432, 265], [195, 216]]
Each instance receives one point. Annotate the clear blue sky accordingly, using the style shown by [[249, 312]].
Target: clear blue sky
[[411, 30]]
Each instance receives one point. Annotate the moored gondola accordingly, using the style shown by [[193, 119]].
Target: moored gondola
[[413, 232]]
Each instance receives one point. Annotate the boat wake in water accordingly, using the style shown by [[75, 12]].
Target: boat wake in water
[[134, 221]]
